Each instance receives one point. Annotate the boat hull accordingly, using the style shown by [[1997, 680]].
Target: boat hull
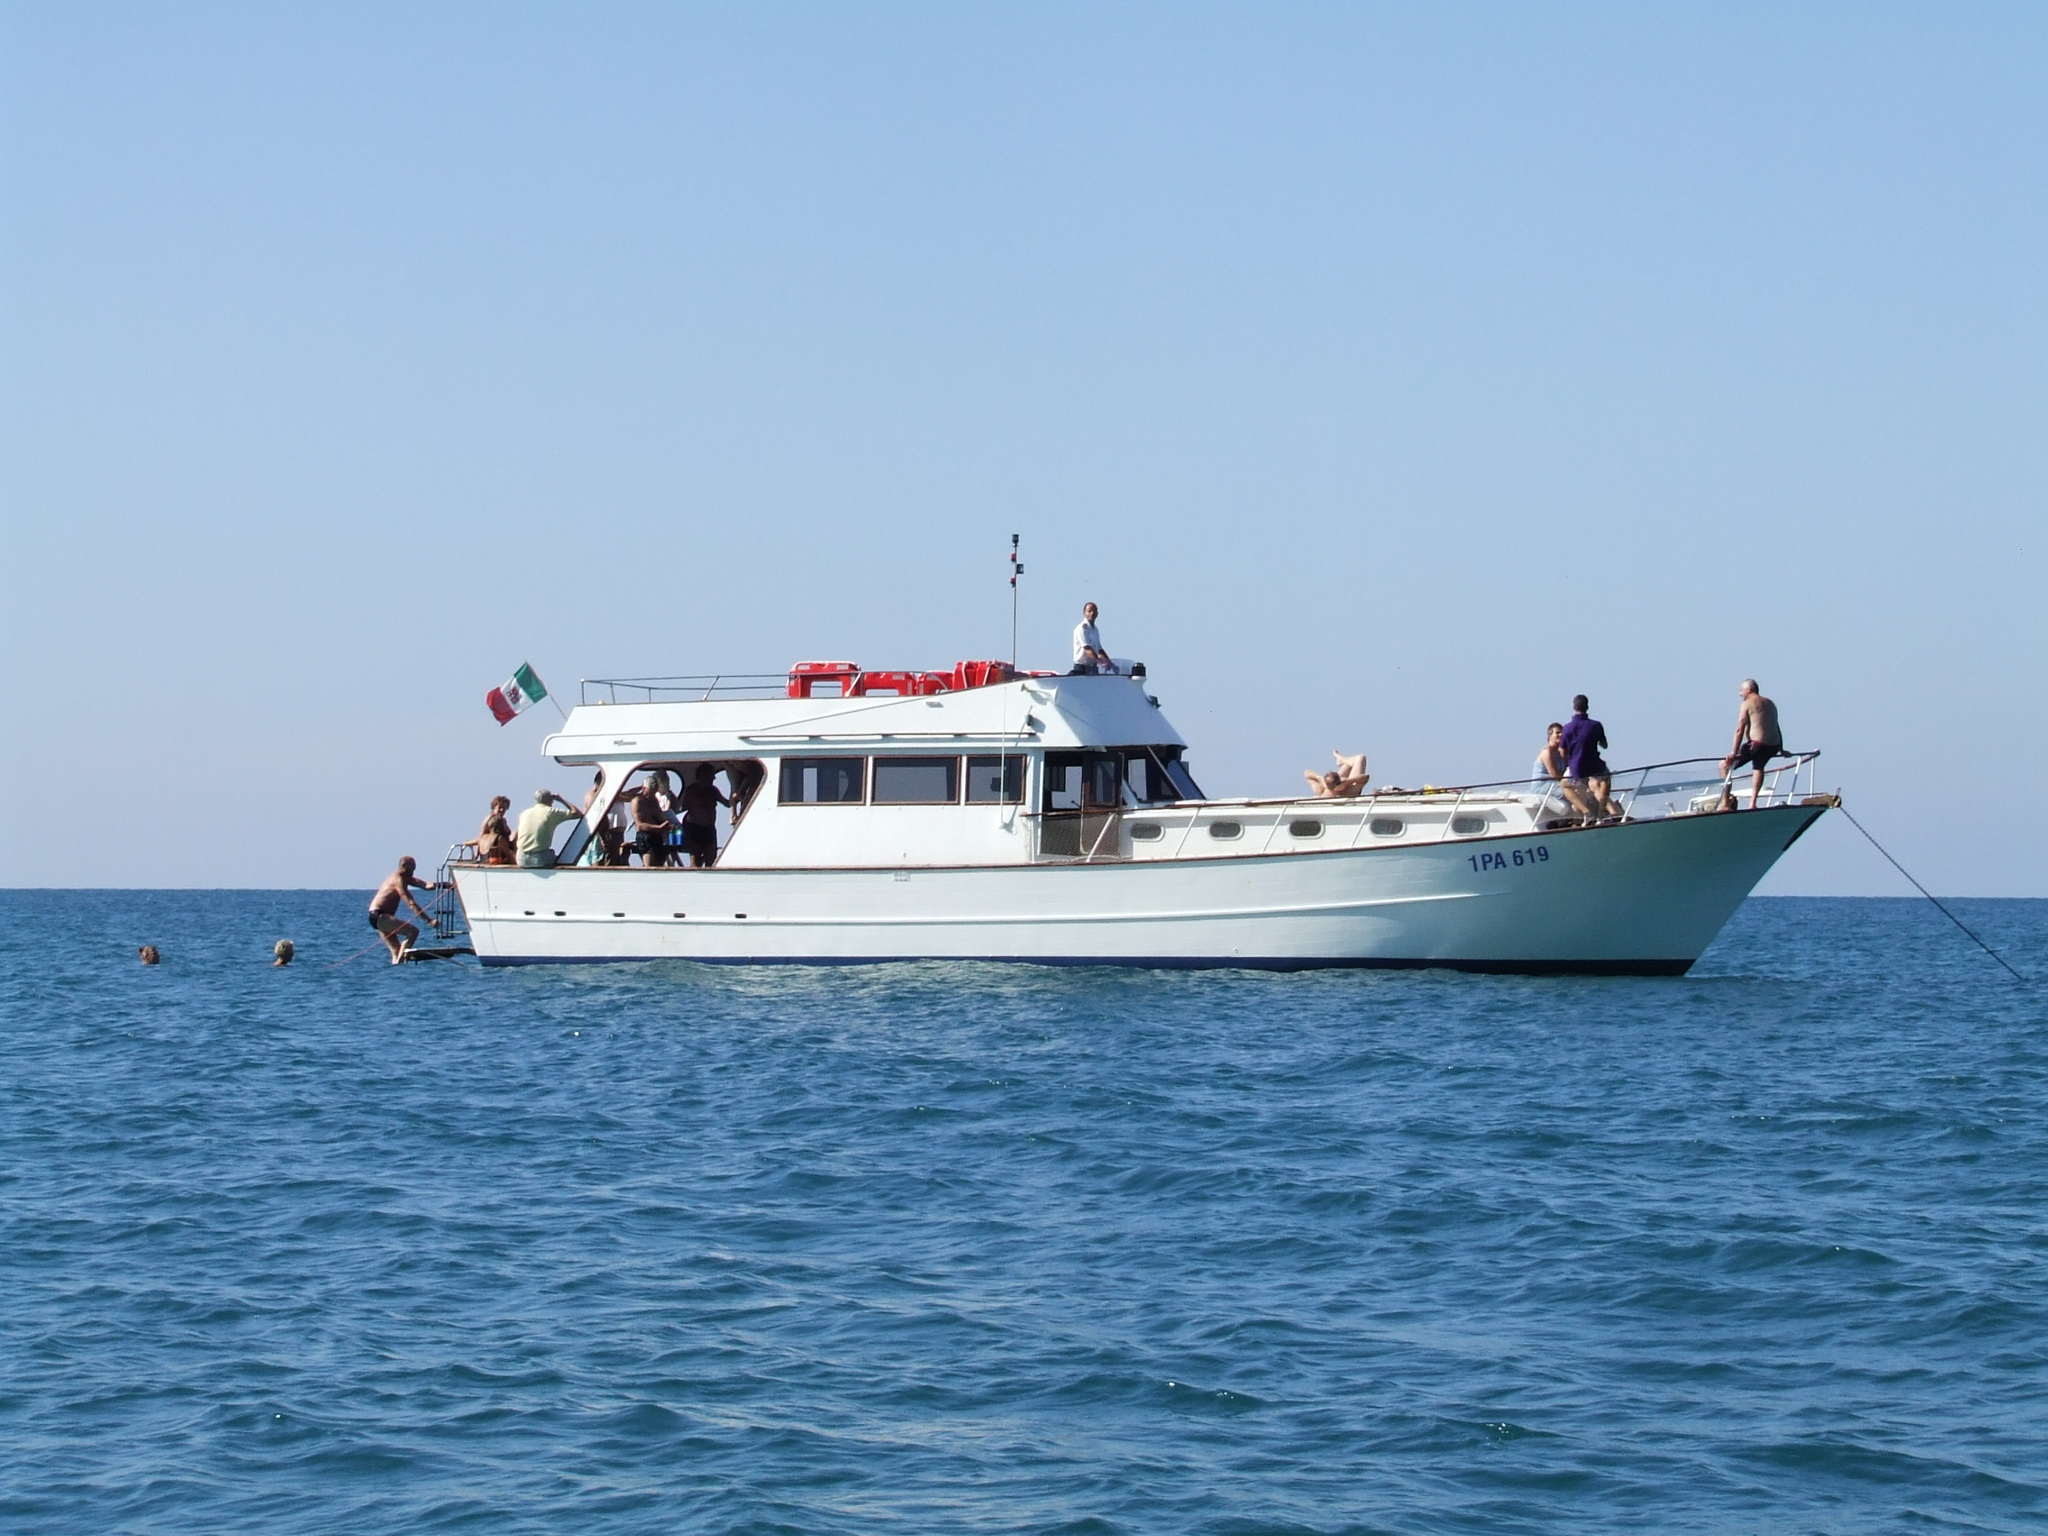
[[1641, 898]]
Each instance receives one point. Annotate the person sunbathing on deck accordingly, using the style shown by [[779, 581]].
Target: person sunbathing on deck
[[1346, 782]]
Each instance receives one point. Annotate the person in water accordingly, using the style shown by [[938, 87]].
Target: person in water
[[1345, 782], [1758, 737], [1585, 769], [283, 952], [399, 937]]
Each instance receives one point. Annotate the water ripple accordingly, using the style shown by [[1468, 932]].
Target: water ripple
[[979, 1248]]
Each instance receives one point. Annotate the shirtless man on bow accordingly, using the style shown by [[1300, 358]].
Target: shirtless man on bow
[[399, 937], [1757, 738]]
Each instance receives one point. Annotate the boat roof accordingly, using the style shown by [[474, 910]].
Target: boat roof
[[680, 718]]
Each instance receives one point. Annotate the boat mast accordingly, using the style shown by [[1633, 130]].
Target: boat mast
[[1016, 570]]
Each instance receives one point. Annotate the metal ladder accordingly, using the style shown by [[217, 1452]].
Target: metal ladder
[[450, 921]]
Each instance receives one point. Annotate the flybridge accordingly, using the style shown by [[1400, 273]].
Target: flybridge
[[808, 680]]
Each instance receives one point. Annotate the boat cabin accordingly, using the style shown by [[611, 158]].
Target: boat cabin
[[836, 766]]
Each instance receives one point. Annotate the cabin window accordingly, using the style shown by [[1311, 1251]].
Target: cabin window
[[823, 780], [1062, 782], [1468, 826], [1146, 831], [1387, 826], [1083, 781], [1156, 776], [1304, 829], [1225, 830], [995, 780], [1177, 774], [917, 781], [1139, 777]]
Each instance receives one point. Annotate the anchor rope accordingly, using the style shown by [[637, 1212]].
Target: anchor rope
[[1895, 864]]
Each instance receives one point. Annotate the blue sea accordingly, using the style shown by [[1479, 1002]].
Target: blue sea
[[965, 1248]]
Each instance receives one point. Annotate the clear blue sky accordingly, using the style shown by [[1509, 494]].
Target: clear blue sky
[[1388, 374]]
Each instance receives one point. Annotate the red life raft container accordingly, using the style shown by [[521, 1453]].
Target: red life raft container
[[806, 676], [981, 674], [901, 683]]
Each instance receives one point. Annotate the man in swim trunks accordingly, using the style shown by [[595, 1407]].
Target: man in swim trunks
[[1583, 765], [1758, 738], [399, 937], [701, 799], [650, 821]]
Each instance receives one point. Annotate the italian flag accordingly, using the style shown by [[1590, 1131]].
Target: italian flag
[[522, 689]]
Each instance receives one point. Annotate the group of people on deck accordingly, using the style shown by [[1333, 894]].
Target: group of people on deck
[[672, 822], [1570, 759]]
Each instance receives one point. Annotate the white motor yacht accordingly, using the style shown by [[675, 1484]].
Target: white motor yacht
[[983, 814]]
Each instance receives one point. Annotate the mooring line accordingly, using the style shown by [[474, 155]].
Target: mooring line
[[356, 956], [1895, 864]]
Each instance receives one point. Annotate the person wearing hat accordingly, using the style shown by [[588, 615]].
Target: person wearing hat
[[537, 823]]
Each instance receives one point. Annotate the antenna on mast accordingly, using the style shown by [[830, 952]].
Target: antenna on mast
[[1016, 570]]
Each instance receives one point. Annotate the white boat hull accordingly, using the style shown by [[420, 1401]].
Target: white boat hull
[[1637, 898]]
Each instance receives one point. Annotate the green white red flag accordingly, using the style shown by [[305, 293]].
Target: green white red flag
[[520, 691]]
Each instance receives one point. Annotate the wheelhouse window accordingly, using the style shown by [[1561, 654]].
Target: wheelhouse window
[[1156, 776], [995, 780], [1076, 781], [823, 780], [917, 781], [1130, 776]]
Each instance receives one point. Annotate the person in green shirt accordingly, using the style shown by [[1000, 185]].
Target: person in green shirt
[[537, 823]]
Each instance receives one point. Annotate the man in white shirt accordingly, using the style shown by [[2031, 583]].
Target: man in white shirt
[[1089, 656]]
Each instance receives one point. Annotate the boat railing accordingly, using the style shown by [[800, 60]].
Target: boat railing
[[676, 690], [1686, 786]]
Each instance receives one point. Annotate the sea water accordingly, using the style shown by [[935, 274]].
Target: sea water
[[941, 1247]]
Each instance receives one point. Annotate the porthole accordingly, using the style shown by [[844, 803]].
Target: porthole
[[1304, 829], [1468, 826], [1226, 830], [1387, 826], [1146, 831]]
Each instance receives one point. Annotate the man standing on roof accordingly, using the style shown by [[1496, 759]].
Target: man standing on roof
[[1758, 738], [1089, 656]]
